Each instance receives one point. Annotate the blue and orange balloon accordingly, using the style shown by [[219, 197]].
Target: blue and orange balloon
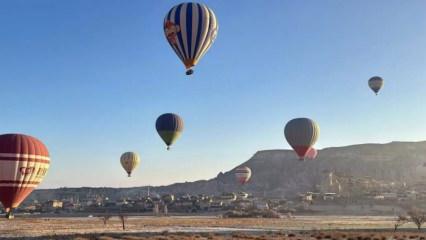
[[190, 29]]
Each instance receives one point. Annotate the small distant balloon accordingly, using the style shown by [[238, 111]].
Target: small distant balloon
[[129, 161], [190, 28], [169, 126], [376, 83], [312, 154], [242, 175], [301, 134]]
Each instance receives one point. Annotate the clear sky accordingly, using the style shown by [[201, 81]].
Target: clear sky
[[89, 79]]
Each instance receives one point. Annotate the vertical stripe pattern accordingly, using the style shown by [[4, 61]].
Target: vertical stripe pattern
[[190, 29], [129, 161]]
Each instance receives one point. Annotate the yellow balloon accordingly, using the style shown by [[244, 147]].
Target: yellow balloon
[[129, 161]]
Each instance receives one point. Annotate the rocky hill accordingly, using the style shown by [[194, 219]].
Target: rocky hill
[[278, 172]]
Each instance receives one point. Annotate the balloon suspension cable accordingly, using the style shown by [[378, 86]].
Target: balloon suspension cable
[[189, 72]]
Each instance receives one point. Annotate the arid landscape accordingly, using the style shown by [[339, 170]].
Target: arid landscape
[[169, 120], [300, 227]]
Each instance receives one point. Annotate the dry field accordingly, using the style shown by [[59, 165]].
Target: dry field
[[167, 228]]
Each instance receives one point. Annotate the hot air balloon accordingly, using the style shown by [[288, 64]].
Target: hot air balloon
[[301, 134], [129, 161], [376, 83], [190, 29], [169, 127], [24, 161], [243, 174], [312, 153]]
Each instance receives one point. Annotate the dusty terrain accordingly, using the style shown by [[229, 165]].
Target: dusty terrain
[[301, 227]]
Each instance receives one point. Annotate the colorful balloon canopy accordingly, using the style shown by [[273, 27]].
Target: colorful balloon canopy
[[243, 174], [169, 126], [376, 83], [301, 134], [129, 161], [190, 28], [312, 154], [24, 161]]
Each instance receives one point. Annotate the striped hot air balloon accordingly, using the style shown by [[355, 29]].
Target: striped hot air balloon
[[129, 161], [301, 134], [24, 161], [376, 83], [312, 154], [169, 126], [242, 174], [190, 29]]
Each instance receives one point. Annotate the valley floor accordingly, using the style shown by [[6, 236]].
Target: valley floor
[[194, 227]]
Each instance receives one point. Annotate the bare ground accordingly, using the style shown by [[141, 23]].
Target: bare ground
[[167, 228]]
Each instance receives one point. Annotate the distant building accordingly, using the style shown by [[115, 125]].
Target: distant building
[[306, 197], [242, 195], [205, 204], [379, 197], [261, 205], [329, 196], [391, 196], [30, 208], [51, 206], [69, 206], [243, 203], [216, 206], [228, 197]]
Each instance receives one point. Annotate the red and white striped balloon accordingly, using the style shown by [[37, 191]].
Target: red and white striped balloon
[[243, 174], [24, 161]]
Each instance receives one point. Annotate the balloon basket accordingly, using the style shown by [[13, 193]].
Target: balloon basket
[[189, 72], [9, 215]]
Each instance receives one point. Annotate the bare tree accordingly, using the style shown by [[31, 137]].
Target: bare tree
[[401, 220], [105, 218], [418, 217], [123, 220]]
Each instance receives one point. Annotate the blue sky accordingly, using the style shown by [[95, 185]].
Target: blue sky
[[89, 79]]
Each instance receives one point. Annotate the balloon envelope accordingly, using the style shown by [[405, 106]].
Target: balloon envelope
[[243, 174], [169, 126], [190, 28], [301, 134], [24, 161], [376, 83], [312, 154], [129, 161]]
